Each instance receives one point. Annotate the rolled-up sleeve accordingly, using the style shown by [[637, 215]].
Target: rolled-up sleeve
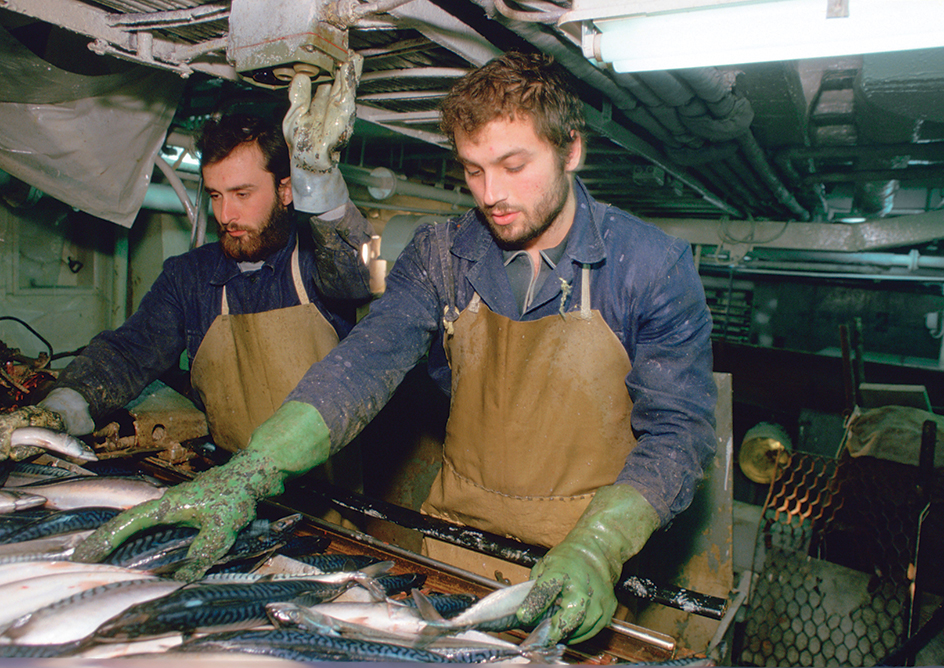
[[671, 385]]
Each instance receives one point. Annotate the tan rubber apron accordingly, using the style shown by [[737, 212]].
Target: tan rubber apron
[[247, 364], [539, 420]]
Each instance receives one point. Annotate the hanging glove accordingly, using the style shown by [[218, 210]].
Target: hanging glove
[[315, 130], [579, 573], [28, 416], [221, 501]]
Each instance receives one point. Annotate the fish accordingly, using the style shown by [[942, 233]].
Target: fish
[[24, 596], [472, 647], [447, 605], [330, 563], [164, 548], [389, 622], [24, 473], [26, 569], [303, 646], [501, 604], [60, 522], [12, 501], [201, 607], [52, 547], [44, 651], [81, 491], [148, 549], [76, 617], [125, 649], [55, 441], [305, 546]]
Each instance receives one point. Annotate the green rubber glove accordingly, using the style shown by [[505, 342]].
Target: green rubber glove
[[221, 501], [28, 416], [579, 573]]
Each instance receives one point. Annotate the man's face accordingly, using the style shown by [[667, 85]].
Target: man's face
[[519, 182], [251, 213]]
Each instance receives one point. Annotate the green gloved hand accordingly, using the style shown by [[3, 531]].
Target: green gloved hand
[[28, 416], [221, 501], [579, 573]]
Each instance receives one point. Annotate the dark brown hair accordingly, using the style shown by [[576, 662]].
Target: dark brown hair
[[510, 86], [221, 136]]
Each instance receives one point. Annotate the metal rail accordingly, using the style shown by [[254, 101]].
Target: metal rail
[[696, 603]]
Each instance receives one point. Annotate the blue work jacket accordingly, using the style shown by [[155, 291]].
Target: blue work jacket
[[186, 298], [643, 282]]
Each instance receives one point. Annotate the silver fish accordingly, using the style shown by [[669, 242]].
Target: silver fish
[[12, 501], [97, 491], [54, 547], [383, 622], [48, 439], [499, 604], [77, 616], [24, 570], [31, 594]]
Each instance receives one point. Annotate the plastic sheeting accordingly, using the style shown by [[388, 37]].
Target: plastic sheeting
[[88, 141]]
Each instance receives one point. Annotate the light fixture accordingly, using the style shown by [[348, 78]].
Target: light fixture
[[677, 34]]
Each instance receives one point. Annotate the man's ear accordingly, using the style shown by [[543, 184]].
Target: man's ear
[[576, 153], [285, 190]]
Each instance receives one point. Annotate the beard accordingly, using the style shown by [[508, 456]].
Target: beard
[[535, 222], [259, 244]]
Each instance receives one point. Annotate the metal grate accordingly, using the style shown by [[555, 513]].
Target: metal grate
[[836, 546]]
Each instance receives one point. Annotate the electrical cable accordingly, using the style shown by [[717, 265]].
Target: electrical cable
[[34, 332]]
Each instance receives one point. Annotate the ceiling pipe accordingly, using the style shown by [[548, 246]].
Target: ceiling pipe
[[874, 234]]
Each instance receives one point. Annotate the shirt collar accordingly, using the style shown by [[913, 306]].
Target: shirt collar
[[227, 268], [584, 243]]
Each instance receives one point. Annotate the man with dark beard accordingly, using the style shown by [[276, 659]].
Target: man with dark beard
[[254, 310], [572, 337]]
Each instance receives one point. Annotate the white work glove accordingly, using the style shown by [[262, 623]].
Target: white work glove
[[72, 408], [316, 128]]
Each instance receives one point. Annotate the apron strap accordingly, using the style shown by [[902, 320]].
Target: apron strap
[[450, 312], [296, 279]]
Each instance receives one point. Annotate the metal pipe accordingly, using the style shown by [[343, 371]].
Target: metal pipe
[[383, 183], [179, 188], [504, 548]]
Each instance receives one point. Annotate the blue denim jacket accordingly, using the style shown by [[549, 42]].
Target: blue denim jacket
[[186, 298], [643, 282]]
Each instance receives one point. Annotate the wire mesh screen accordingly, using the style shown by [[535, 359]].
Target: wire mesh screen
[[835, 555]]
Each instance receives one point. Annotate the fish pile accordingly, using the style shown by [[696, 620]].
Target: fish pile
[[277, 593]]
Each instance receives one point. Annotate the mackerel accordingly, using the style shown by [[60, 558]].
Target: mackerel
[[201, 607], [498, 605], [303, 646], [472, 647], [390, 622], [48, 439], [60, 522], [77, 616]]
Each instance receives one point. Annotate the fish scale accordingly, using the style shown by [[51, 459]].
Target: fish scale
[[310, 646], [207, 606], [61, 522]]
